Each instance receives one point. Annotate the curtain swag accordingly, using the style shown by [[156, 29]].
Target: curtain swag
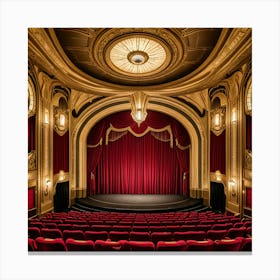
[[149, 129]]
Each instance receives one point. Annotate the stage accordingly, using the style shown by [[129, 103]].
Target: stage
[[136, 203]]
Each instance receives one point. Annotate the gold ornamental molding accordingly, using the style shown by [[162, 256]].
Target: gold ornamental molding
[[232, 49]]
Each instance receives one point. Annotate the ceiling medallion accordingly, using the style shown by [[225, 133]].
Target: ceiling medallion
[[137, 55]]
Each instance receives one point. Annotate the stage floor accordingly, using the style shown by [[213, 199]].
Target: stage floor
[[129, 202]]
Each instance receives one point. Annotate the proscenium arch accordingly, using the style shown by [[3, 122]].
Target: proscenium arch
[[186, 116]]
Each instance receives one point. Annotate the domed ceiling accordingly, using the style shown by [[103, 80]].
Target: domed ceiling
[[158, 61], [137, 56]]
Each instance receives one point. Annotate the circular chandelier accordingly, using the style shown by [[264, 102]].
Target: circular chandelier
[[138, 55]]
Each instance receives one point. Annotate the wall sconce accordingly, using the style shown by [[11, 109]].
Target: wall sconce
[[232, 186], [218, 120], [139, 102], [62, 120], [47, 186]]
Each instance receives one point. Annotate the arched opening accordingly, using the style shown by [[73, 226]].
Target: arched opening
[[124, 158], [198, 176]]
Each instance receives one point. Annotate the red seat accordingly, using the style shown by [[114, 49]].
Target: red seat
[[238, 225], [101, 245], [63, 227], [139, 236], [118, 235], [203, 227], [247, 224], [249, 231], [49, 244], [141, 246], [188, 228], [227, 245], [236, 232], [50, 225], [171, 245], [51, 233], [216, 234], [246, 243], [75, 234], [101, 228], [140, 228], [33, 232], [221, 226], [96, 235], [79, 245], [81, 227], [189, 235], [120, 228], [32, 245], [204, 245], [161, 236], [173, 228], [157, 229], [36, 224]]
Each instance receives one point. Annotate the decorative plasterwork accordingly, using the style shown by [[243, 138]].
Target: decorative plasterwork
[[218, 123], [32, 165], [248, 159], [232, 50]]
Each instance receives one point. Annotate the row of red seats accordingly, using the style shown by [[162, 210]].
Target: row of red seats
[[138, 236], [51, 223], [58, 244]]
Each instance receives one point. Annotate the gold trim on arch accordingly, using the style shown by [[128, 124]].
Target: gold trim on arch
[[128, 128]]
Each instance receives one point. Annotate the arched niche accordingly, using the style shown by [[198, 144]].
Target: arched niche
[[185, 115]]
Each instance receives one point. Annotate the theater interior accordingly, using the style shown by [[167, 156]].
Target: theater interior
[[140, 139]]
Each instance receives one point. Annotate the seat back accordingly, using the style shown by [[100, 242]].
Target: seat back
[[161, 236], [118, 235], [51, 233], [32, 245], [227, 245], [205, 245], [139, 236], [49, 244], [171, 245], [101, 245], [96, 235], [236, 232], [34, 232], [141, 245], [79, 245], [216, 234], [189, 235], [75, 234]]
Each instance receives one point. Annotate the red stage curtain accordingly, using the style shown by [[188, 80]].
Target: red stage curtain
[[31, 133], [218, 152], [248, 132], [138, 165], [60, 152], [249, 198], [31, 198], [143, 165]]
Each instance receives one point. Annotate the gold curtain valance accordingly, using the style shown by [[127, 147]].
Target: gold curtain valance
[[149, 129]]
